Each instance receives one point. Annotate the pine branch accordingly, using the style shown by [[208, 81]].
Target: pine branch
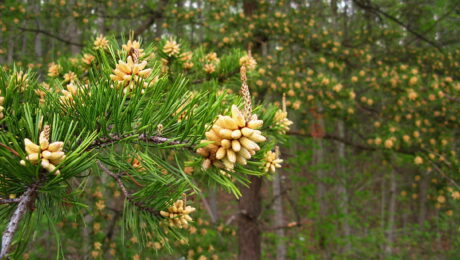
[[50, 35], [10, 149], [128, 195], [367, 5], [114, 138], [9, 201], [338, 139], [24, 201]]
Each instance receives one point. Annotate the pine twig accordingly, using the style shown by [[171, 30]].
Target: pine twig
[[114, 138], [10, 149], [50, 35], [128, 195], [9, 201], [24, 201]]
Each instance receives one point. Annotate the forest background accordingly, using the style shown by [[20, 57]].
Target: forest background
[[372, 87]]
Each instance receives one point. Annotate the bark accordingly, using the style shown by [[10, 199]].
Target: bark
[[390, 234], [319, 156], [249, 235], [25, 200], [75, 34], [424, 183], [250, 204], [10, 47], [341, 188], [278, 218], [382, 207], [213, 204], [159, 20]]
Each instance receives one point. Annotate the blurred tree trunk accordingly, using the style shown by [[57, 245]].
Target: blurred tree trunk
[[250, 205], [2, 35], [75, 35], [278, 217], [341, 184], [212, 197], [38, 37], [382, 208], [390, 232], [10, 47], [423, 198], [319, 157], [160, 20], [341, 187]]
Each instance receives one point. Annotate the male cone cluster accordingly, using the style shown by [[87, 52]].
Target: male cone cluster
[[68, 94], [126, 74], [234, 140], [178, 214], [48, 154], [171, 48], [272, 162], [282, 121]]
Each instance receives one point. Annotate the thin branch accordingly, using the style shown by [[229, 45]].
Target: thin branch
[[289, 225], [128, 196], [294, 209], [50, 35], [232, 218], [114, 138], [356, 145], [208, 208], [147, 23], [274, 198], [339, 139], [366, 5], [451, 98], [24, 201], [9, 201], [446, 176], [133, 179], [10, 149]]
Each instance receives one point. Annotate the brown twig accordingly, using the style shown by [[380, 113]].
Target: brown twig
[[50, 35], [9, 201], [10, 149], [24, 201], [289, 225], [337, 138], [114, 138], [127, 195], [134, 180], [366, 5]]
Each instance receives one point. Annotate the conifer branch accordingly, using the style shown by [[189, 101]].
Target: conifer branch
[[50, 35], [9, 201], [128, 195], [24, 201], [114, 138], [10, 149]]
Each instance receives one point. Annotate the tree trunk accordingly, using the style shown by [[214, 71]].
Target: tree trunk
[[390, 234], [249, 235], [278, 217], [319, 157], [341, 188], [10, 47], [424, 183], [212, 197], [250, 203]]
